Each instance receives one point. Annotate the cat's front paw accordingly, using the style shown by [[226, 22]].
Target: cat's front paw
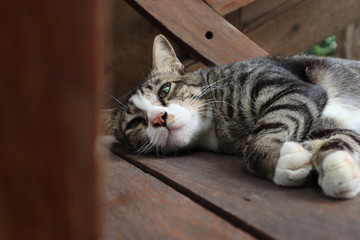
[[293, 166], [340, 176]]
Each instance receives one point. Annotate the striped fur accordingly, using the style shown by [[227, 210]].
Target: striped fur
[[287, 116]]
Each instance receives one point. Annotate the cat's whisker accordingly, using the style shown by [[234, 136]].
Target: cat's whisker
[[122, 106], [219, 80], [212, 89], [188, 149], [145, 148], [148, 148], [204, 108], [139, 151], [208, 104], [211, 86], [220, 101], [162, 151], [157, 151]]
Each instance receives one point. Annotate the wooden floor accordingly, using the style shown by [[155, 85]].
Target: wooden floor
[[209, 196]]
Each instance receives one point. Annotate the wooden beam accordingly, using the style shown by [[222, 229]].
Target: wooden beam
[[210, 37], [224, 7], [298, 25], [50, 87]]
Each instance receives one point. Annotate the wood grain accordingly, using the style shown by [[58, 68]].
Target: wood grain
[[205, 32], [139, 206], [298, 25], [222, 184], [50, 89], [133, 35], [262, 8], [224, 7]]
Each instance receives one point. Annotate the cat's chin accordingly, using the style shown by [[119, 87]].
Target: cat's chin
[[182, 135], [178, 137], [195, 134]]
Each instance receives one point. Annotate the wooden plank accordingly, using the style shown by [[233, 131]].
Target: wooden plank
[[224, 7], [262, 8], [133, 35], [204, 31], [222, 184], [50, 90], [139, 206], [300, 24]]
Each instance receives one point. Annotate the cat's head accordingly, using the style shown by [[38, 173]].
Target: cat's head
[[167, 111]]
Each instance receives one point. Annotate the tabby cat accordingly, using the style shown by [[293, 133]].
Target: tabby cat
[[286, 115]]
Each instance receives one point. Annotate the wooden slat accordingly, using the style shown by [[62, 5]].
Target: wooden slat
[[138, 206], [261, 8], [191, 23], [300, 24], [224, 7], [50, 87], [133, 52], [222, 183]]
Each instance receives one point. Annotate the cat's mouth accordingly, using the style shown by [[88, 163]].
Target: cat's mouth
[[178, 136], [173, 131]]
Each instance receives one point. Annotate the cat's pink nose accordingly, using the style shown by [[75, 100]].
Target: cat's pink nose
[[160, 120]]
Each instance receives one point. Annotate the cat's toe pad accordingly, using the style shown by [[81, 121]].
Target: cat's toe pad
[[340, 176], [293, 165]]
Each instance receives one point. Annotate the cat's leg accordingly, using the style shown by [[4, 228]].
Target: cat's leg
[[336, 159], [283, 119], [272, 155]]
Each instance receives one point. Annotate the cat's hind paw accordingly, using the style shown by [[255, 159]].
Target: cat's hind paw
[[293, 166], [340, 175]]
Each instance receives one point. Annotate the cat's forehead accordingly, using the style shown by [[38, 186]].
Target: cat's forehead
[[157, 79]]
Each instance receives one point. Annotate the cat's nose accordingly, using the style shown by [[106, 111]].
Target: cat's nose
[[160, 120]]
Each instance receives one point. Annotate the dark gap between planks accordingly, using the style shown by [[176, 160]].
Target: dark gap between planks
[[198, 199]]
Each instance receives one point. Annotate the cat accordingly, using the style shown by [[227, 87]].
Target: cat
[[286, 116]]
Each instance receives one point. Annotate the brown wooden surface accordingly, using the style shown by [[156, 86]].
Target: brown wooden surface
[[51, 68], [227, 44], [139, 206], [224, 7], [259, 9], [222, 184], [298, 24], [133, 34]]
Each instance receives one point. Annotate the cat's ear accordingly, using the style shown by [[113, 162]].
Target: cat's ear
[[164, 58]]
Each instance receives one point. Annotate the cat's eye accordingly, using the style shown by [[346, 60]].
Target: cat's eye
[[135, 122], [164, 90]]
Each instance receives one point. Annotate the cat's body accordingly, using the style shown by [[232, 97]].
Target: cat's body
[[286, 116]]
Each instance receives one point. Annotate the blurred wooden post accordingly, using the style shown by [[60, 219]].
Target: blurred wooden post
[[51, 68]]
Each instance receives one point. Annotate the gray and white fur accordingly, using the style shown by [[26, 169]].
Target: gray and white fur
[[285, 115]]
